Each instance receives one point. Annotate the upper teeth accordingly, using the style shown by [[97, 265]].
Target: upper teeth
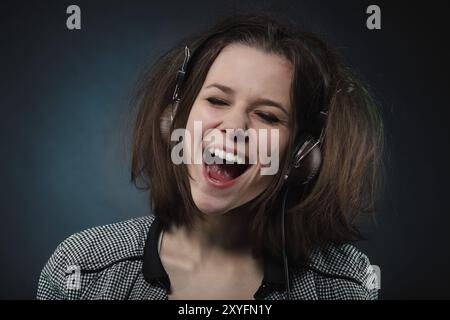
[[229, 157]]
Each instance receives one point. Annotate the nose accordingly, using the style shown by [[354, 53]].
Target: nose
[[234, 124]]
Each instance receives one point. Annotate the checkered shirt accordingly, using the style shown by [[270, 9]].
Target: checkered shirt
[[121, 261]]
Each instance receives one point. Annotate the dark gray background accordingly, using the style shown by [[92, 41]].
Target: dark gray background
[[65, 118]]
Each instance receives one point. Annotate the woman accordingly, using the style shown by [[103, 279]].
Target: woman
[[222, 227]]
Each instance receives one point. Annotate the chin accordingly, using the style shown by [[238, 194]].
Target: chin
[[213, 207]]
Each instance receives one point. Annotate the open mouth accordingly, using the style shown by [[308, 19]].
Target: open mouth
[[225, 167]]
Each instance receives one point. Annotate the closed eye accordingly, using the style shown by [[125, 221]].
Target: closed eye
[[217, 102], [268, 117]]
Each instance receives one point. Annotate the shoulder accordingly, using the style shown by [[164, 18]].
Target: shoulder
[[100, 246], [343, 272], [93, 249]]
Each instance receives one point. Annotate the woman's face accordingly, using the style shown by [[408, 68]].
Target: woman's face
[[246, 89]]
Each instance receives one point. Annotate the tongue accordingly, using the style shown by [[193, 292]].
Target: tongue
[[224, 172]]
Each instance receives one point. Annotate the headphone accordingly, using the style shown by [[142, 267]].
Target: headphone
[[306, 159]]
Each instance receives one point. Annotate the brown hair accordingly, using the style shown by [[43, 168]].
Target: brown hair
[[323, 212]]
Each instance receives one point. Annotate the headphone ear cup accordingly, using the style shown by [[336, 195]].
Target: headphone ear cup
[[165, 123], [306, 162]]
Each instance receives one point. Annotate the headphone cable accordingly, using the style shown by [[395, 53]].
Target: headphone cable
[[283, 239]]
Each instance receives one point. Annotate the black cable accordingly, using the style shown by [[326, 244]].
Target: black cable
[[283, 239]]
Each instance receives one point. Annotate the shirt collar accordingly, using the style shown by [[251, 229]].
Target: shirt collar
[[155, 274], [152, 267]]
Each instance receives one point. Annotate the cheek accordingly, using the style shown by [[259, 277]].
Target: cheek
[[274, 141], [208, 116], [201, 119], [283, 140]]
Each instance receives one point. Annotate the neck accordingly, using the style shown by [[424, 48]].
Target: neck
[[224, 234]]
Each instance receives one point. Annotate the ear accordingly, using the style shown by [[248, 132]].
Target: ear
[[166, 122]]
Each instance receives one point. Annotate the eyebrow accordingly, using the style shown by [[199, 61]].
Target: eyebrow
[[260, 101]]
